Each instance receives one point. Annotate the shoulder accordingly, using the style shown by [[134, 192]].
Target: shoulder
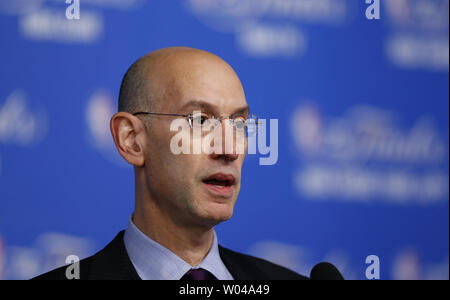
[[112, 262], [60, 273], [243, 266]]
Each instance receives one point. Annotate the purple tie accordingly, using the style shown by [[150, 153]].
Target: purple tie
[[198, 274]]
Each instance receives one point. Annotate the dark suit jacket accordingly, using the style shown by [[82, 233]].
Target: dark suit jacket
[[113, 263]]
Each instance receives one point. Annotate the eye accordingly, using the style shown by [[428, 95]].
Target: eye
[[199, 119], [239, 122], [251, 125]]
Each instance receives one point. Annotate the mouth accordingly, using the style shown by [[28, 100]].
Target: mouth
[[220, 184]]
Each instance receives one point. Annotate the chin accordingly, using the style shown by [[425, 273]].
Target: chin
[[217, 213]]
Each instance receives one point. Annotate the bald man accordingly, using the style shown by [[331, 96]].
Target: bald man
[[179, 198]]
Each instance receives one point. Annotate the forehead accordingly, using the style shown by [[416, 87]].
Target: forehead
[[207, 83]]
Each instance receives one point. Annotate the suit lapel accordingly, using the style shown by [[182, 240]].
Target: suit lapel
[[235, 265], [113, 263]]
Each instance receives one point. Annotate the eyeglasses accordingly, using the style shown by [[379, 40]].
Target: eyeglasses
[[198, 119]]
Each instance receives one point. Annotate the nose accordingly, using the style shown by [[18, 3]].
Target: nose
[[226, 157], [228, 150]]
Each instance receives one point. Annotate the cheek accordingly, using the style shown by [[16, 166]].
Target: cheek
[[183, 169]]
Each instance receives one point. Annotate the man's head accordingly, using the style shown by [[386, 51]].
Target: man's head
[[179, 81]]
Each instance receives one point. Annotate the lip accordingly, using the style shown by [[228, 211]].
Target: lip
[[221, 191], [225, 192], [222, 176]]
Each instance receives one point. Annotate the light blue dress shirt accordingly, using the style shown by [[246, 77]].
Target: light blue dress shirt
[[153, 261]]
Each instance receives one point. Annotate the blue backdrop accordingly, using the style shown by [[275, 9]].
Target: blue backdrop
[[362, 104]]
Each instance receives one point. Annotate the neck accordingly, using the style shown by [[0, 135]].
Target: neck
[[189, 242]]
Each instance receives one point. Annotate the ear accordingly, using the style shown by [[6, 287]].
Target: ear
[[129, 136]]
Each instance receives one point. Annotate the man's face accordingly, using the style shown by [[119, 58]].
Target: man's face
[[189, 187]]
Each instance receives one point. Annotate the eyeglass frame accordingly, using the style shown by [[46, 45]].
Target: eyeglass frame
[[189, 116]]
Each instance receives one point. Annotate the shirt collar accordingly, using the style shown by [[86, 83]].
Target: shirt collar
[[154, 261]]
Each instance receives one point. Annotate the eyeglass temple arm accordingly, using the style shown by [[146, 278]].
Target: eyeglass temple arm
[[158, 114]]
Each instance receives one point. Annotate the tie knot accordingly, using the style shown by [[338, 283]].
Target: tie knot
[[198, 274]]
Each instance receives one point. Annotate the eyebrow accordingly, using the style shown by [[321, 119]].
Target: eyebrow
[[208, 107]]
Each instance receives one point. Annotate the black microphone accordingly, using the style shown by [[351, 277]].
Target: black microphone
[[325, 271]]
